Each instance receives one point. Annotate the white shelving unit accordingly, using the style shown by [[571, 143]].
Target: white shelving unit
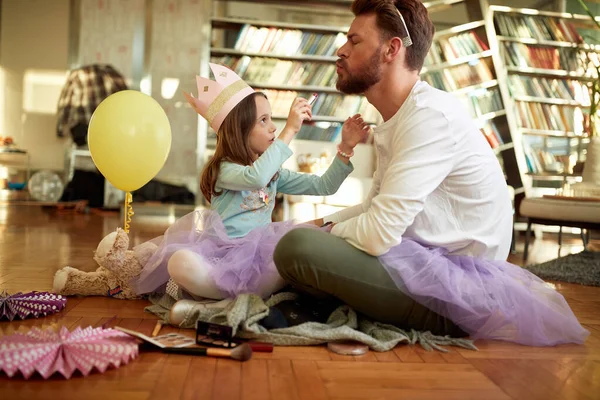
[[519, 133]]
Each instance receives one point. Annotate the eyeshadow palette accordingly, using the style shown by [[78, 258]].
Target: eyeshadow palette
[[208, 334], [215, 335], [168, 340], [175, 340]]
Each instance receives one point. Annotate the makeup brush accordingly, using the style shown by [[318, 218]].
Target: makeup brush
[[241, 353]]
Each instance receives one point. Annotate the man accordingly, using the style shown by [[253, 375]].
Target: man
[[438, 189]]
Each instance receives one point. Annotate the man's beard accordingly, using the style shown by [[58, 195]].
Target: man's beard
[[369, 75]]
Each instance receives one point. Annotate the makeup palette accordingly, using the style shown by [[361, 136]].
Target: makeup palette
[[215, 335], [175, 340], [169, 340]]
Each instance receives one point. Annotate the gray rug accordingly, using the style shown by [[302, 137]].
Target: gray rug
[[582, 268]]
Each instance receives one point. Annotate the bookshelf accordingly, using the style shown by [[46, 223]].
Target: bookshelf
[[284, 59], [461, 62], [542, 65]]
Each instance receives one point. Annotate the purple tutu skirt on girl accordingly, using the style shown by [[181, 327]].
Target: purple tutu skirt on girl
[[487, 299], [237, 263]]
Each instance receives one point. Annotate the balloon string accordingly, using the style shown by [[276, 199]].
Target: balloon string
[[128, 211]]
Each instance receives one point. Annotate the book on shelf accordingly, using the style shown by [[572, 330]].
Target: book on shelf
[[537, 27], [532, 56], [492, 135], [460, 76], [327, 105], [265, 72], [547, 159], [482, 102], [287, 42], [549, 88], [325, 132], [454, 47], [549, 117], [273, 71], [320, 131]]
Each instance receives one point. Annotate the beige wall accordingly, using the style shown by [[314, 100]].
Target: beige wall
[[33, 43]]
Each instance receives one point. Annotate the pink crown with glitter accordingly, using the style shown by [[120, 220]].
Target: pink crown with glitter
[[217, 98]]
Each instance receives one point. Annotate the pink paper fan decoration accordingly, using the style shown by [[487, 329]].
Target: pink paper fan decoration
[[47, 351], [32, 303]]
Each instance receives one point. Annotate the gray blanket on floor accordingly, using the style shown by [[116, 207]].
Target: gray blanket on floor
[[244, 313]]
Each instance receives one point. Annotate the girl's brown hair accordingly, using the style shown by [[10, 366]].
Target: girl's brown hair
[[232, 143]]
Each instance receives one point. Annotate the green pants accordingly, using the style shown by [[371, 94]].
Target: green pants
[[323, 265]]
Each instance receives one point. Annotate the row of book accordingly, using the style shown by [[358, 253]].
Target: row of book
[[492, 134], [549, 157], [522, 55], [564, 89], [549, 117], [537, 27], [540, 161], [272, 71], [289, 42], [320, 131], [483, 102], [454, 47], [461, 76], [329, 105]]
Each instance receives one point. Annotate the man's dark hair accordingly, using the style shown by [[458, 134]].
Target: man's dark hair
[[417, 20]]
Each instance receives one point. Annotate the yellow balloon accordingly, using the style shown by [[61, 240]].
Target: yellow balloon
[[129, 137]]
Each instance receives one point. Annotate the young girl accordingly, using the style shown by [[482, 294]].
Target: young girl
[[228, 249]]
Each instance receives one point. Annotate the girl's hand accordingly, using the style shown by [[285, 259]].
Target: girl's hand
[[299, 112], [354, 131]]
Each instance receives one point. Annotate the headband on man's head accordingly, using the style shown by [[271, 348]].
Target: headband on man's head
[[217, 98], [406, 40]]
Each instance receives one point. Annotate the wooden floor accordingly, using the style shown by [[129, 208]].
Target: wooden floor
[[34, 244]]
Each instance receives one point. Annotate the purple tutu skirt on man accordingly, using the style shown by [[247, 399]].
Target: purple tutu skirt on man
[[487, 299]]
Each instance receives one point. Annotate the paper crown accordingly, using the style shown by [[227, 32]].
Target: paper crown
[[217, 98]]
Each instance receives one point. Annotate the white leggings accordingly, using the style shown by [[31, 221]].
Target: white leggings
[[191, 271]]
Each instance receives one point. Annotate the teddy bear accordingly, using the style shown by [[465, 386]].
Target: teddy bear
[[118, 265]]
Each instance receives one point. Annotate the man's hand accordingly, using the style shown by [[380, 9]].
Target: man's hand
[[354, 131]]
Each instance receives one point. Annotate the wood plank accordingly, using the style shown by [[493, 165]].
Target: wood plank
[[255, 380], [367, 357], [454, 357], [387, 356], [281, 380], [430, 357], [308, 381], [172, 380], [407, 353], [199, 381], [228, 380]]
